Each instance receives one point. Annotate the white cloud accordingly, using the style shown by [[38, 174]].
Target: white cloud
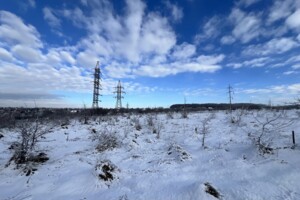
[[156, 35], [132, 36], [133, 23], [116, 70], [26, 53], [175, 68], [293, 21], [247, 3], [87, 59], [256, 62], [66, 56], [5, 55], [211, 29], [176, 12], [199, 67], [49, 16], [137, 43], [280, 10], [14, 31], [227, 39], [296, 66], [246, 26], [235, 65], [53, 57], [292, 89], [99, 44], [203, 64], [290, 72], [210, 60], [274, 46], [281, 45], [184, 51]]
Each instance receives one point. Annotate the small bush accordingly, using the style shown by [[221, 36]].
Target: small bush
[[107, 141], [150, 120], [170, 115], [30, 133], [136, 123], [184, 113]]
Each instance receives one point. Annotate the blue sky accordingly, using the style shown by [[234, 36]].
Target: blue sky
[[162, 51]]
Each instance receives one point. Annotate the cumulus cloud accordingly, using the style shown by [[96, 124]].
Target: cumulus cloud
[[14, 31], [293, 21], [43, 71], [157, 36], [26, 53], [5, 55], [132, 36]]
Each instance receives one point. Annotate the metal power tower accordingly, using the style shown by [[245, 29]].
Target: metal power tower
[[97, 85], [119, 91], [230, 94]]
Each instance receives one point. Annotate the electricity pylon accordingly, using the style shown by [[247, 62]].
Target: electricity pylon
[[97, 85], [119, 95], [230, 94]]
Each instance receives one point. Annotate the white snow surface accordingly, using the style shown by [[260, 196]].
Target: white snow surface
[[172, 167]]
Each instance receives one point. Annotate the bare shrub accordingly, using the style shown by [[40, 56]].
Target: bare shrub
[[267, 128], [205, 128], [26, 154], [150, 119], [154, 124], [170, 115], [184, 113], [238, 115], [107, 141], [158, 126], [136, 123]]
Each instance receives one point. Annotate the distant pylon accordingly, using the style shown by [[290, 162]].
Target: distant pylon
[[119, 91], [97, 85]]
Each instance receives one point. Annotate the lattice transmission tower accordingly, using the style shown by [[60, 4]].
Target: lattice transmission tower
[[97, 85], [119, 95]]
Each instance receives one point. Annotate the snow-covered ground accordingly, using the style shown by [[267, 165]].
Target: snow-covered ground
[[174, 165]]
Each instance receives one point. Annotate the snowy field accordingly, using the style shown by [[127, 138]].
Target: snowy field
[[161, 156]]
